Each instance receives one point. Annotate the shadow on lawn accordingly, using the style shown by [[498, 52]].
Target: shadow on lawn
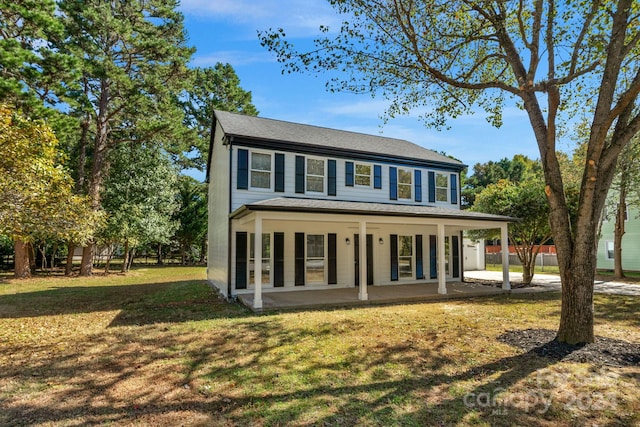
[[138, 304], [136, 383]]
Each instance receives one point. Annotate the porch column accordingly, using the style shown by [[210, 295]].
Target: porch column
[[504, 243], [257, 265], [362, 291], [442, 274]]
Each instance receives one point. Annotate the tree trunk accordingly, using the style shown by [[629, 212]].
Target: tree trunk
[[86, 265], [160, 260], [576, 317], [203, 249], [125, 261], [69, 266], [619, 231], [183, 253], [132, 255], [21, 269], [32, 258]]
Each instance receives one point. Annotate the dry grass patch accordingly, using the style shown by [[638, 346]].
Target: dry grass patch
[[158, 348]]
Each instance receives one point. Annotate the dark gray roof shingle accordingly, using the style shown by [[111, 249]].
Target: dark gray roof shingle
[[291, 204], [276, 130]]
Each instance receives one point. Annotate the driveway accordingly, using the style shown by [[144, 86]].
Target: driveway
[[553, 281]]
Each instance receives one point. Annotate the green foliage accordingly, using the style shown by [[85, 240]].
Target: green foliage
[[516, 170], [139, 196], [210, 89], [192, 215], [36, 198]]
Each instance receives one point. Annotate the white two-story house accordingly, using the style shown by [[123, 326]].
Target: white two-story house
[[299, 207]]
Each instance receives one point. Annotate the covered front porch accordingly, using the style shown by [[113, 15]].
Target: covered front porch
[[411, 253], [347, 297]]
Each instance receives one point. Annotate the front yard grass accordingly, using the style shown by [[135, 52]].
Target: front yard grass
[[157, 347]]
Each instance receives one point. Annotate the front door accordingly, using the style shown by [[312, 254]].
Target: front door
[[356, 249]]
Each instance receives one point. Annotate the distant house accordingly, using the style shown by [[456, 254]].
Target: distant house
[[298, 207], [630, 242]]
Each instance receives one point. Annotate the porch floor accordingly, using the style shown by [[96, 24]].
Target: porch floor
[[389, 294]]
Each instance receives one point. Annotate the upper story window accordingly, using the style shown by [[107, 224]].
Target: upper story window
[[260, 170], [442, 187], [404, 183], [363, 175], [315, 175]]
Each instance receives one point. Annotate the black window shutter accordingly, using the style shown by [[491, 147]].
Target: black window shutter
[[243, 169], [333, 260], [299, 256], [432, 187], [455, 252], [418, 189], [369, 259], [377, 176], [454, 189], [331, 181], [348, 174], [300, 174], [241, 260], [278, 259], [393, 246], [393, 183], [419, 263], [279, 187], [433, 258]]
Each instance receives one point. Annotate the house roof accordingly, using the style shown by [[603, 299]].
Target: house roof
[[277, 131], [291, 204]]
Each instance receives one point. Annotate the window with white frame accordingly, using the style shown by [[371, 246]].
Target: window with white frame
[[609, 250], [260, 170], [442, 187], [405, 257], [315, 262], [363, 175], [315, 175], [266, 258], [405, 177]]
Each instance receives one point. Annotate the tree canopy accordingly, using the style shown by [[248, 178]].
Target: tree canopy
[[453, 57]]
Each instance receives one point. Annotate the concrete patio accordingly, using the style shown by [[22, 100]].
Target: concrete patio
[[345, 297]]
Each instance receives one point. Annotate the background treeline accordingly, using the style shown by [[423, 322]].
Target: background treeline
[[101, 117]]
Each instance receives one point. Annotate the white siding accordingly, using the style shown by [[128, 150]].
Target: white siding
[[355, 193], [217, 264]]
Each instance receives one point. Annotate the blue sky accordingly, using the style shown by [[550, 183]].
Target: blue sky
[[226, 31]]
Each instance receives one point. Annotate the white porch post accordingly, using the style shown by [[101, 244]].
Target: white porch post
[[504, 241], [442, 274], [362, 292], [257, 265]]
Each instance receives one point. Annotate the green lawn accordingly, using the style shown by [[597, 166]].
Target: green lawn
[[156, 347]]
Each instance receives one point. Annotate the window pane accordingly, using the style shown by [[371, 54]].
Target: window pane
[[315, 167], [315, 246], [260, 179], [266, 271], [405, 245], [315, 270], [315, 183], [261, 161], [404, 176], [404, 191], [441, 194], [363, 169], [442, 180], [363, 180], [405, 268], [266, 245]]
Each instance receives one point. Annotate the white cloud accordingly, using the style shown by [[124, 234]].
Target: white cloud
[[236, 58], [297, 17]]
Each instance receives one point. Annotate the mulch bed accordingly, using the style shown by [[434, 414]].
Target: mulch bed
[[604, 351]]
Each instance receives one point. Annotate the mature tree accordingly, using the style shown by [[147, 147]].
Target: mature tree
[[133, 61], [36, 198], [526, 201], [139, 198], [192, 216], [455, 55], [209, 89], [625, 192], [515, 170]]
